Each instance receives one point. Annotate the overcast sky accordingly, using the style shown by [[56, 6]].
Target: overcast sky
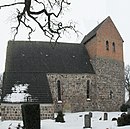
[[86, 13]]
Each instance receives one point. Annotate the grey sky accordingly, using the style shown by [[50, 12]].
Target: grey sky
[[87, 14]]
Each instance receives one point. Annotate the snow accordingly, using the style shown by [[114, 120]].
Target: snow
[[19, 93], [126, 95], [73, 121]]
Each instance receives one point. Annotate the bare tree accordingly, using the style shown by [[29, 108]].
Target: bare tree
[[49, 10], [0, 85], [127, 79]]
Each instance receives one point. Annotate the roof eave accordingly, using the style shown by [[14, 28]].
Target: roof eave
[[86, 41]]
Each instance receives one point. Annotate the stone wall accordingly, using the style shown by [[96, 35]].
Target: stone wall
[[47, 111], [73, 92], [110, 83], [13, 111]]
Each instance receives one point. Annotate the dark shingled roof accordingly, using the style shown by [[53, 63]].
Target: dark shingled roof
[[38, 85], [91, 34], [41, 57], [29, 61]]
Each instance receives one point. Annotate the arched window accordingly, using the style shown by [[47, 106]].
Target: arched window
[[113, 47], [59, 90], [88, 89], [107, 45]]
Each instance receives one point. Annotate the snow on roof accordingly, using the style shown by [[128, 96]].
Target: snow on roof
[[19, 94]]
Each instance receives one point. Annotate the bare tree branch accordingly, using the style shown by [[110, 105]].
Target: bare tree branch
[[127, 78], [7, 5], [51, 28]]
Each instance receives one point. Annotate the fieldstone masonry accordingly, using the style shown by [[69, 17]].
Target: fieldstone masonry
[[13, 111], [73, 91], [109, 83], [106, 87], [47, 111]]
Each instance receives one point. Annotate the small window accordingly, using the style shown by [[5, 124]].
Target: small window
[[59, 90], [107, 45], [111, 94], [88, 89], [113, 47]]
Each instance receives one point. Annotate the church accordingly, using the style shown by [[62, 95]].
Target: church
[[71, 77]]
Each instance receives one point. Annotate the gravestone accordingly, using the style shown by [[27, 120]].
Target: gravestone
[[90, 114], [105, 116], [31, 115], [128, 110], [87, 121]]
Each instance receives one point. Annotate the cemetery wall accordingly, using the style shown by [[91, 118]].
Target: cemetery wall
[[13, 111]]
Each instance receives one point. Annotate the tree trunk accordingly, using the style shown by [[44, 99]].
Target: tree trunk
[[129, 95]]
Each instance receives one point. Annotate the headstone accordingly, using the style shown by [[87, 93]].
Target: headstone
[[59, 106], [31, 116], [90, 114], [105, 116], [87, 121], [128, 110]]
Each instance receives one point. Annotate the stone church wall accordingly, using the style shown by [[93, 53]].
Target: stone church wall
[[109, 81], [13, 111], [73, 92]]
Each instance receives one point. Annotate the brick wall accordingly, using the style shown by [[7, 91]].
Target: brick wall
[[97, 45]]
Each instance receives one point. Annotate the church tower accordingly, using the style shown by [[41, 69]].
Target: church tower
[[105, 47]]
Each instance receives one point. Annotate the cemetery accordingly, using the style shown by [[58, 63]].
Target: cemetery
[[80, 120]]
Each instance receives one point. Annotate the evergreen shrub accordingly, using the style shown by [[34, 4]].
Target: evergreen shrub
[[60, 117], [123, 120], [124, 107]]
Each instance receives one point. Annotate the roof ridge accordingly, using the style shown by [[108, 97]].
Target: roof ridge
[[26, 41], [92, 33]]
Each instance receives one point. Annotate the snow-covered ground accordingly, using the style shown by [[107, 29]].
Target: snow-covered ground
[[73, 121]]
